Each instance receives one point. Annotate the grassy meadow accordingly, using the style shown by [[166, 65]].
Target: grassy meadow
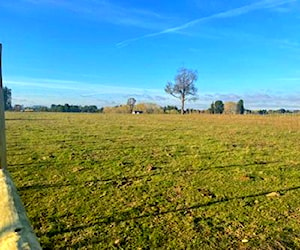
[[96, 181]]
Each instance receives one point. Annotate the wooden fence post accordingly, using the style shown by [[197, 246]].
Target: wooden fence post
[[2, 120]]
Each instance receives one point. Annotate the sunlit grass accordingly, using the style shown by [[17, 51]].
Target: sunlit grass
[[158, 181]]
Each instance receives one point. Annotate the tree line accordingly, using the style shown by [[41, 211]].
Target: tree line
[[218, 107], [67, 108], [75, 108], [183, 88]]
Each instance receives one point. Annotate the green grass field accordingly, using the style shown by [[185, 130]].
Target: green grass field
[[95, 181]]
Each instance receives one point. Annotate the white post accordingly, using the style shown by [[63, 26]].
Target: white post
[[2, 120]]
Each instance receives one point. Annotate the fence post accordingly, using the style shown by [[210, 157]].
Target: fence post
[[15, 229], [2, 120]]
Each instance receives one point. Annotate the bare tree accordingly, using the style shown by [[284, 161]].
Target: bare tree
[[131, 102], [184, 87]]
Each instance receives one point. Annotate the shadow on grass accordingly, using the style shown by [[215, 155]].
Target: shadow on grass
[[123, 180], [127, 216], [124, 216], [35, 164]]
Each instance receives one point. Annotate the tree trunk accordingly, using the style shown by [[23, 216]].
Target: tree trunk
[[182, 105]]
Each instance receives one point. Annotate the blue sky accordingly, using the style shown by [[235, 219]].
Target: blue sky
[[103, 52]]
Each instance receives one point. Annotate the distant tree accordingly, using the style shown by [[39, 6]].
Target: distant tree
[[211, 110], [72, 108], [218, 107], [183, 88], [120, 109], [7, 98], [240, 107], [53, 107], [108, 110], [94, 109], [149, 108], [171, 109], [66, 108], [131, 102], [89, 109], [146, 108], [231, 108], [262, 112], [282, 111], [39, 108], [193, 111], [60, 108]]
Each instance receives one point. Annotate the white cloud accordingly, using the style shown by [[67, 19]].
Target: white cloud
[[107, 11], [48, 91], [266, 4], [45, 84]]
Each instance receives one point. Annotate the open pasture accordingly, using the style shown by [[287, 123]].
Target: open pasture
[[95, 181]]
